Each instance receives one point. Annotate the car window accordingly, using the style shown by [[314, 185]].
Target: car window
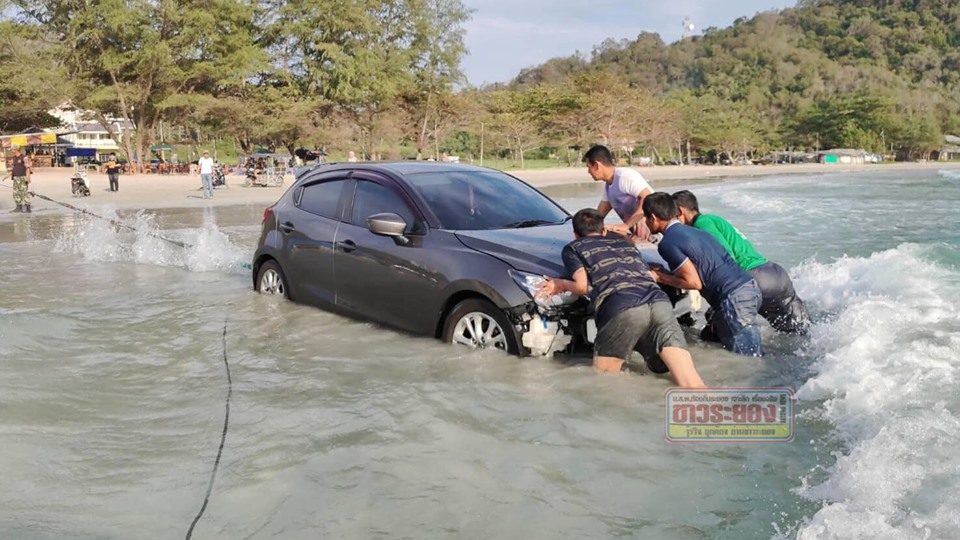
[[322, 199], [478, 200], [372, 198]]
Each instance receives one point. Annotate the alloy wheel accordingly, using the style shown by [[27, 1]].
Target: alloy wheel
[[479, 331], [271, 282]]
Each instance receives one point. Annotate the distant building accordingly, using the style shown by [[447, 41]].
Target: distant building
[[951, 148], [78, 127], [847, 156]]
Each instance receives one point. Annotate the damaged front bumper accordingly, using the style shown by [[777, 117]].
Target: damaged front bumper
[[571, 329], [544, 331]]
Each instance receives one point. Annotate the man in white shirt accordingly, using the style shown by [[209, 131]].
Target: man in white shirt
[[206, 174], [624, 192]]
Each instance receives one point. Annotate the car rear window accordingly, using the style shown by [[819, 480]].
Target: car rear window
[[323, 198]]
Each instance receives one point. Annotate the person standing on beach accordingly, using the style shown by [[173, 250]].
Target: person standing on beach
[[206, 174], [629, 307], [21, 169], [623, 193], [113, 173], [697, 261], [780, 305]]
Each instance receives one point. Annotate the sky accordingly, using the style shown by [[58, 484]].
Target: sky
[[506, 36]]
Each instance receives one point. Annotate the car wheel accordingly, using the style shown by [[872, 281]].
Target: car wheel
[[478, 324], [270, 280]]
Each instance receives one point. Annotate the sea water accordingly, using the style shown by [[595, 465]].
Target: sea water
[[112, 389]]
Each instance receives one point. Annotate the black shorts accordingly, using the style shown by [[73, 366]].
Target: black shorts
[[780, 304], [653, 326]]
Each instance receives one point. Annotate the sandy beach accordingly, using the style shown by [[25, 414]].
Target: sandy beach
[[145, 191]]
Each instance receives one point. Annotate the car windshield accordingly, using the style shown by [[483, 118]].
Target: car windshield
[[478, 200]]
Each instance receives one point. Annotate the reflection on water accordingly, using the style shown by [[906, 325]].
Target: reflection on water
[[112, 389]]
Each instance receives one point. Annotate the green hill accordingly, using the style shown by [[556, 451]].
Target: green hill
[[880, 74]]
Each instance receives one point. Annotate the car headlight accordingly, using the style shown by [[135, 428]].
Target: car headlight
[[529, 283]]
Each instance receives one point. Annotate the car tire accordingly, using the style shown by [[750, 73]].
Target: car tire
[[461, 322], [271, 280]]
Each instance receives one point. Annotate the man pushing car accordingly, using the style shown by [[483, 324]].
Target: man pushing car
[[630, 308]]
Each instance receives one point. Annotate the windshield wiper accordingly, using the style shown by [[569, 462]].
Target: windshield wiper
[[529, 223]]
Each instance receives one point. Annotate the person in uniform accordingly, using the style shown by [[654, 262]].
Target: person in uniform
[[21, 169]]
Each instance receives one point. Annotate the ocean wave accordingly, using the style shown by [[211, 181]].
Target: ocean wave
[[207, 249], [754, 204], [950, 174], [886, 378]]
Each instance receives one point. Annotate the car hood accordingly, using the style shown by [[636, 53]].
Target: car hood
[[530, 249], [536, 249]]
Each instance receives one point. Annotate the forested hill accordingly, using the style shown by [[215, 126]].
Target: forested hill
[[893, 63]]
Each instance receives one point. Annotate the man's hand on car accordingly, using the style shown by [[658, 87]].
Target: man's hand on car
[[549, 287]]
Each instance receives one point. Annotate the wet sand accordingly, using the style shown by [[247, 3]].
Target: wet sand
[[183, 191]]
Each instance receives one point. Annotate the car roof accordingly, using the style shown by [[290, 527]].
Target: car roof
[[413, 167], [401, 168]]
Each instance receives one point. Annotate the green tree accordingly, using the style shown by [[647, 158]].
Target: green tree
[[371, 57], [525, 117], [135, 58], [31, 77], [844, 122]]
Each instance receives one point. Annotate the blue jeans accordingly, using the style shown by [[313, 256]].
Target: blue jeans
[[207, 180], [736, 321]]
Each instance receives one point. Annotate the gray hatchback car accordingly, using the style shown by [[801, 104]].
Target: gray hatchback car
[[445, 250]]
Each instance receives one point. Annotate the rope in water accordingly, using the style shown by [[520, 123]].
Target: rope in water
[[113, 222], [223, 436], [226, 362]]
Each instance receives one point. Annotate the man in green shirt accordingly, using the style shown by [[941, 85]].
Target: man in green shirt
[[780, 304]]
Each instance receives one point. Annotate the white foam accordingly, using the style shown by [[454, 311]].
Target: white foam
[[751, 204], [889, 360], [950, 174], [208, 248]]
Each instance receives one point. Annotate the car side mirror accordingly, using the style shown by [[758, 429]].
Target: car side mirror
[[388, 224]]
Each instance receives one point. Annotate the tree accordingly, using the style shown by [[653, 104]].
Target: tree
[[31, 78], [624, 116], [369, 58], [133, 59], [524, 118], [844, 122], [437, 47], [713, 124]]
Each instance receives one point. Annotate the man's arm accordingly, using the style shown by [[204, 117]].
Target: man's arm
[[579, 285], [637, 216], [29, 165], [604, 208], [684, 277]]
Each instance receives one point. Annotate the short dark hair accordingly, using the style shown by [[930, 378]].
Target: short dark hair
[[686, 199], [587, 221], [661, 205], [598, 153]]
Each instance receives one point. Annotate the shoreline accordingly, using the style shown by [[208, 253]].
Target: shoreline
[[150, 191]]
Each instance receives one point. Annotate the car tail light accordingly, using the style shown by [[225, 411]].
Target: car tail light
[[267, 214]]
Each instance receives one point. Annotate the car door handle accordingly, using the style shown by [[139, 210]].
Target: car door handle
[[346, 246], [287, 227]]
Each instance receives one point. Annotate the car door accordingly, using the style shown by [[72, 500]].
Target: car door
[[378, 277], [309, 229]]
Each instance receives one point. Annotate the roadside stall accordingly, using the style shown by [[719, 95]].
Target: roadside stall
[[44, 149]]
